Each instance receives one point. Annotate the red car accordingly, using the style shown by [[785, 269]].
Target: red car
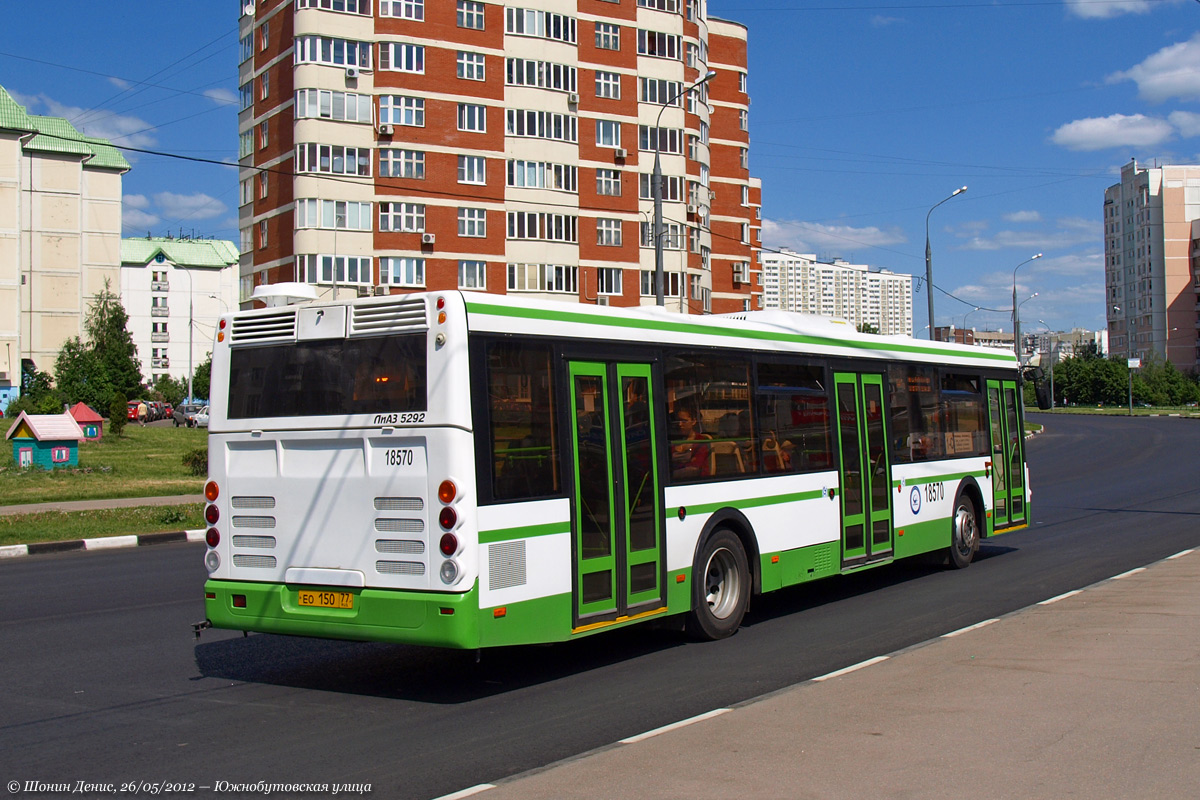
[[132, 413]]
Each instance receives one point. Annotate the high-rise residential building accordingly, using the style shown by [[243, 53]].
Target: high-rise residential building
[[174, 291], [60, 235], [396, 145], [1150, 270], [851, 292]]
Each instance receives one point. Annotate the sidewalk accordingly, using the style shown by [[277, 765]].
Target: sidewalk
[[1094, 694], [92, 505]]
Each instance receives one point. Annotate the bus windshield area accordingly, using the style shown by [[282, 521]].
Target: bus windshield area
[[332, 377]]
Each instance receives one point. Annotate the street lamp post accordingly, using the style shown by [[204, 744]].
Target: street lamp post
[[1016, 318], [656, 183], [191, 322], [929, 260]]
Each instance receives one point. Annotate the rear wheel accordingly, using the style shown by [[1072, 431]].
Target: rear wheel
[[720, 587], [964, 539]]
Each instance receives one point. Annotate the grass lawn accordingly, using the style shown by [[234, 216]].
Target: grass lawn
[[143, 462], [59, 526]]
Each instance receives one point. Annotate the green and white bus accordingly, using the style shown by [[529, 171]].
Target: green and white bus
[[469, 470]]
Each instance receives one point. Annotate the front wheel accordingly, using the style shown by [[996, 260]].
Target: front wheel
[[964, 539], [720, 587]]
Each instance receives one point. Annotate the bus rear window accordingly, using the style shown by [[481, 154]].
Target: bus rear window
[[326, 378]]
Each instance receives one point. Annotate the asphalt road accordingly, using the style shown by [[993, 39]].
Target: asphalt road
[[104, 682]]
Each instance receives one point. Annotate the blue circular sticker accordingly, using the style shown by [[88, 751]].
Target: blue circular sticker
[[914, 500]]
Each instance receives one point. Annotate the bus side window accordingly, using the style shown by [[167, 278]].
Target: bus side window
[[523, 438]]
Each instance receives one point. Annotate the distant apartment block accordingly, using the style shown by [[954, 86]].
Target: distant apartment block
[[60, 235], [1151, 262], [174, 291], [392, 146], [851, 292]]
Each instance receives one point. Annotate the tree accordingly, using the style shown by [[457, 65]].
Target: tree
[[867, 327], [112, 344], [172, 389], [80, 377], [201, 378], [117, 414]]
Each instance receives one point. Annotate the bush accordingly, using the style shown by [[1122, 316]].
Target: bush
[[197, 461], [117, 414]]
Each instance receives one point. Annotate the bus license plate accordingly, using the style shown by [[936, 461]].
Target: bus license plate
[[327, 599]]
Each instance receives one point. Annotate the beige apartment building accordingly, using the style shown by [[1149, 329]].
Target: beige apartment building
[[1150, 263], [60, 235], [388, 147], [838, 289]]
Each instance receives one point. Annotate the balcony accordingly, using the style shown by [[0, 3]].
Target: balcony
[[160, 363], [159, 311], [160, 286], [160, 337]]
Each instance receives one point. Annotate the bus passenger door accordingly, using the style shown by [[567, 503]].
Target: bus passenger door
[[617, 519], [865, 476], [1008, 470]]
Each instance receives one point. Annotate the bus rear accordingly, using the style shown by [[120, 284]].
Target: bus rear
[[341, 475]]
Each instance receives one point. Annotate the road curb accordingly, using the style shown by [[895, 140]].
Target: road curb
[[102, 543]]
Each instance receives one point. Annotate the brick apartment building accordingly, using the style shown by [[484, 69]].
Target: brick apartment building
[[396, 145]]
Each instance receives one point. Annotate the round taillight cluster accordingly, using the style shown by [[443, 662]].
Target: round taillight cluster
[[212, 537], [448, 545], [448, 519]]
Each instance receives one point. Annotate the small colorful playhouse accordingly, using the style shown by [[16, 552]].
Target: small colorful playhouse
[[89, 421], [45, 440]]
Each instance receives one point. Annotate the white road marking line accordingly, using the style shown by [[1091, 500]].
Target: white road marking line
[[1127, 574], [675, 725], [108, 542], [1181, 555], [1060, 597], [974, 627], [854, 668], [13, 550]]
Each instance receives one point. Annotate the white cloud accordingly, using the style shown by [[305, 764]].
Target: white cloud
[[138, 201], [133, 220], [119, 83], [101, 123], [1068, 232], [1089, 9], [222, 97], [880, 21], [1023, 216], [1173, 72], [1118, 130], [180, 207], [815, 237], [1186, 122]]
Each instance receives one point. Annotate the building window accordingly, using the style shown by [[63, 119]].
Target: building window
[[672, 187], [744, 157], [608, 36], [404, 9], [542, 125], [744, 120], [542, 24], [547, 227], [472, 274], [540, 74], [322, 268], [662, 140], [402, 57], [658, 91], [672, 235], [340, 106], [394, 163], [608, 133], [470, 66], [264, 35], [472, 222], [670, 284], [246, 47], [262, 234], [361, 7], [742, 82], [608, 84], [608, 280], [608, 182], [333, 214], [246, 95], [262, 184], [470, 14], [334, 159], [264, 136], [60, 455], [402, 217], [397, 109], [543, 175], [264, 85], [333, 52], [671, 6], [608, 232], [472, 169], [408, 272], [543, 278], [472, 117], [658, 44]]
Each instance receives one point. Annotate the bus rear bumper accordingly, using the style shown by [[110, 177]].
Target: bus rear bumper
[[377, 615]]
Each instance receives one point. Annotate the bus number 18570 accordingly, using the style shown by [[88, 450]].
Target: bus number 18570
[[398, 457]]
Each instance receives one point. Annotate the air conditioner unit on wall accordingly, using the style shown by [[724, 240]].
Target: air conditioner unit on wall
[[691, 209], [380, 291], [351, 72], [386, 130], [573, 99], [602, 300], [364, 291], [621, 152], [428, 238]]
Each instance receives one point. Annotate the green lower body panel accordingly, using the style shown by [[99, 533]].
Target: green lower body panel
[[923, 537], [378, 615], [544, 619]]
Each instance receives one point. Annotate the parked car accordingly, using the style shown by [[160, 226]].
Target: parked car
[[185, 414], [132, 412], [155, 411], [202, 417]]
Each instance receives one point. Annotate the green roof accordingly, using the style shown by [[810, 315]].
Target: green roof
[[56, 135], [182, 252]]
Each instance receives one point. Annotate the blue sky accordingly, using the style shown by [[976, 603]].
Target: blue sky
[[865, 113]]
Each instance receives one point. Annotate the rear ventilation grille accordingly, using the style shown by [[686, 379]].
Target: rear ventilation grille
[[408, 547], [252, 502], [506, 564], [399, 504], [254, 562], [253, 522], [370, 318], [260, 542], [273, 326], [400, 525], [398, 567]]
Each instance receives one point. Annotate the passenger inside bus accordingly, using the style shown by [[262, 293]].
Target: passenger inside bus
[[688, 458]]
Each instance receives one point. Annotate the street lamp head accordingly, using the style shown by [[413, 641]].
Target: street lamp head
[[708, 76], [1039, 255], [959, 191]]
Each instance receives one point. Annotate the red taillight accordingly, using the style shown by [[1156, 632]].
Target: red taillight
[[212, 514], [447, 491], [222, 323], [441, 303], [239, 601], [213, 537], [447, 518], [449, 543], [211, 491]]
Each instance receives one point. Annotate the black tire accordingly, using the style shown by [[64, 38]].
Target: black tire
[[720, 587], [964, 532]]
